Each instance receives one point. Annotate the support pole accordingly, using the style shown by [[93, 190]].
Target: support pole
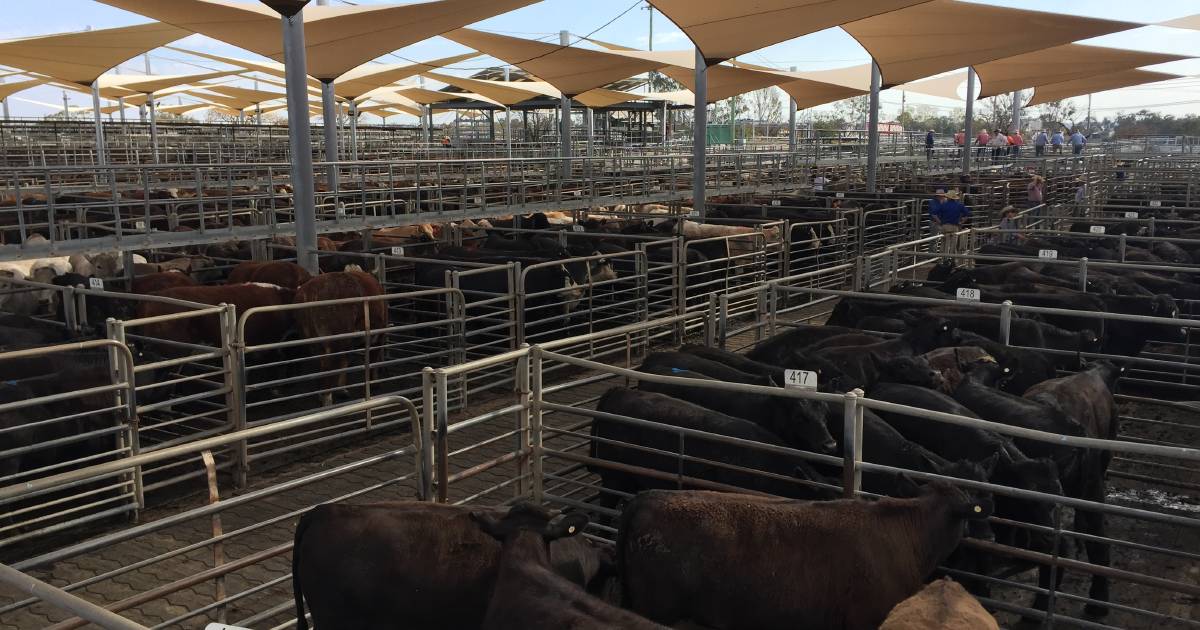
[[507, 121], [699, 135], [120, 103], [101, 149], [1016, 117], [873, 129], [353, 131], [564, 140], [303, 189], [590, 127], [329, 120], [666, 122], [792, 123], [258, 114], [5, 102], [969, 124], [66, 107]]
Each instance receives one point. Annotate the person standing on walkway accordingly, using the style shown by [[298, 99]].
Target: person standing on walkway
[[1081, 196], [981, 141], [1017, 142], [1008, 226], [1039, 143], [999, 143], [1056, 141], [948, 215], [1036, 191], [1077, 142], [960, 140], [929, 145]]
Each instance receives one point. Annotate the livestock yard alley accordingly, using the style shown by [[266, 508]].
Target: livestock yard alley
[[682, 314]]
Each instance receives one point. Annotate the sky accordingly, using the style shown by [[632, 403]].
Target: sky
[[628, 22]]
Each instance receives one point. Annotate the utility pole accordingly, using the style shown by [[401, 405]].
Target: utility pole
[[1088, 120], [564, 149]]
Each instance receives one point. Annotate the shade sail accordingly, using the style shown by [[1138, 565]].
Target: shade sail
[[84, 56], [369, 76], [140, 99], [944, 86], [803, 89], [249, 95], [942, 35], [394, 108], [503, 92], [572, 70], [1108, 81], [143, 84], [857, 77], [8, 89], [1059, 64], [337, 38], [266, 67], [230, 102], [677, 97], [184, 108], [1191, 21], [601, 97], [723, 29]]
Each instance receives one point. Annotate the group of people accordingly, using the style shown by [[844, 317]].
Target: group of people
[[1009, 144]]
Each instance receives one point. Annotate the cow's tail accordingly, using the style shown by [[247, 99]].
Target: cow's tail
[[297, 590]]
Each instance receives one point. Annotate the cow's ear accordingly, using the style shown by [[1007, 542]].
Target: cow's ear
[[489, 522], [565, 525]]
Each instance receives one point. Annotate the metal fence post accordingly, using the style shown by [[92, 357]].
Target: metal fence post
[[710, 322], [852, 444], [1083, 266], [1120, 249], [1005, 321], [535, 422], [425, 440], [524, 434], [442, 393], [722, 319], [235, 370], [132, 436]]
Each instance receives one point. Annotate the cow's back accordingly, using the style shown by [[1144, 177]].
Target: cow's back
[[406, 564], [339, 318], [263, 328]]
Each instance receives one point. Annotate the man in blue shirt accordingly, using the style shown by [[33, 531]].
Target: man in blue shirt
[[1077, 142], [929, 145], [1056, 140], [948, 214], [1039, 143]]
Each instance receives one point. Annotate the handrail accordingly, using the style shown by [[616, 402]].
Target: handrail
[[36, 485], [59, 598]]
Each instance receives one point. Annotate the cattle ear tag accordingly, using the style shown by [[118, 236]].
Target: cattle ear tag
[[978, 510], [571, 529]]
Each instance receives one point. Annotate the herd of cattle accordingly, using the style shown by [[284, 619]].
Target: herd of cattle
[[801, 557]]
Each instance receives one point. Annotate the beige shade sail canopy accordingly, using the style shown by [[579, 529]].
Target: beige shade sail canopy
[[723, 29], [1191, 21], [942, 35], [1060, 64], [140, 99], [337, 38], [676, 97], [367, 77], [945, 86], [265, 67], [143, 84], [230, 102], [8, 89], [571, 70], [82, 57], [1108, 81], [503, 92], [395, 107], [249, 95], [804, 90]]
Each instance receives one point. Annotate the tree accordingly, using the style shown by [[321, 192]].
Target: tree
[[1057, 114], [854, 111], [998, 113], [766, 106]]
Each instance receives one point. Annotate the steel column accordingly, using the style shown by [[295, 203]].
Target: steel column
[[699, 134], [1016, 117], [303, 189], [564, 137], [353, 131], [101, 149], [5, 103], [329, 124], [507, 121], [792, 123], [873, 129], [150, 108], [969, 124], [590, 127], [120, 103]]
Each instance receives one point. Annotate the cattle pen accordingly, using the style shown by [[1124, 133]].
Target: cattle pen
[[565, 349]]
